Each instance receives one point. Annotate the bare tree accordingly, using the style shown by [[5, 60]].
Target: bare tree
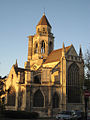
[[87, 69]]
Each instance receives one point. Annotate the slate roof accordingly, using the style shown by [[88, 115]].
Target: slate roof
[[55, 55], [44, 21]]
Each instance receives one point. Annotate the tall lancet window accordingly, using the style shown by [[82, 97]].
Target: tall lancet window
[[11, 96], [50, 47], [73, 84], [36, 48], [43, 47]]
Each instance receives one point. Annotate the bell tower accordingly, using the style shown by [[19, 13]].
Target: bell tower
[[41, 44]]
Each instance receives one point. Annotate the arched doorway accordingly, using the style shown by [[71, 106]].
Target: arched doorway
[[38, 99]]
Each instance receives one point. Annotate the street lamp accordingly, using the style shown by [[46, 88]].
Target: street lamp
[[86, 94]]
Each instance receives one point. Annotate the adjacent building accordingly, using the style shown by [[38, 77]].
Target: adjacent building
[[2, 90]]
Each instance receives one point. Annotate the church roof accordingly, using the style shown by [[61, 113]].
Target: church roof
[[18, 69], [44, 21], [55, 55]]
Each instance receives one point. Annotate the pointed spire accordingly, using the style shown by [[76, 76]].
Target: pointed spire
[[80, 51], [44, 12], [16, 64], [44, 21], [63, 50], [63, 45]]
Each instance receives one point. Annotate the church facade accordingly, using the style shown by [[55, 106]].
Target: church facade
[[51, 80]]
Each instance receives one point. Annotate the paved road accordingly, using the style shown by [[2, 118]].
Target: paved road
[[23, 119], [4, 118]]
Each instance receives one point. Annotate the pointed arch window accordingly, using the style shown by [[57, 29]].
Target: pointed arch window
[[36, 48], [50, 47], [12, 76], [37, 79], [11, 97], [43, 47], [73, 85], [20, 97], [55, 100], [12, 79], [43, 29], [38, 99]]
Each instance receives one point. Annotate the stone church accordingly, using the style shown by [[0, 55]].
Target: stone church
[[51, 80]]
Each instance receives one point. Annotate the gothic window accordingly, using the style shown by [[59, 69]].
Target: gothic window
[[3, 100], [36, 48], [12, 79], [38, 99], [37, 79], [11, 96], [20, 97], [43, 47], [12, 76], [73, 87], [50, 46], [43, 29], [22, 77], [55, 100]]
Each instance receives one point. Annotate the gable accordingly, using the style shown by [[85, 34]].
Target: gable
[[12, 78], [72, 51], [55, 55]]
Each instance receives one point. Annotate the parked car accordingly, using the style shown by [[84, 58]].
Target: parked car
[[88, 115], [78, 114], [66, 115]]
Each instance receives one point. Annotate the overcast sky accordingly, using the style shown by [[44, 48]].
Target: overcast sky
[[70, 21]]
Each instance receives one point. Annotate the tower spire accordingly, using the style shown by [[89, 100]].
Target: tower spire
[[16, 64], [63, 45], [63, 50], [44, 21], [80, 51], [44, 12]]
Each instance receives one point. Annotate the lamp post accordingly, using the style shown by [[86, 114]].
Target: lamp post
[[86, 99], [86, 95]]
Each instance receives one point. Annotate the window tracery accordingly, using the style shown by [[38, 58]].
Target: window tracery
[[11, 96], [20, 98], [73, 88], [43, 47]]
